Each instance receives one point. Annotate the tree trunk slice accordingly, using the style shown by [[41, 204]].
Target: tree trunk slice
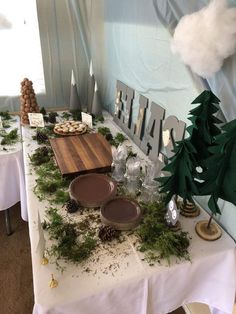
[[210, 234], [176, 227]]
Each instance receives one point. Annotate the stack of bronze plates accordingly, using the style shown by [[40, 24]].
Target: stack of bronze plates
[[99, 190]]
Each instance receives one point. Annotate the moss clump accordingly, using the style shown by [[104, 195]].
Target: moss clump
[[5, 115], [9, 138], [71, 245], [157, 240], [41, 155]]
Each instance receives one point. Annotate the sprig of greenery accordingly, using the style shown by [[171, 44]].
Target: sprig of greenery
[[71, 245], [50, 183], [157, 240], [5, 115], [5, 124], [9, 138], [104, 130], [98, 119], [114, 141], [66, 115], [41, 155]]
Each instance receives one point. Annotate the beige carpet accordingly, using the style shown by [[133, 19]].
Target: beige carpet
[[16, 288]]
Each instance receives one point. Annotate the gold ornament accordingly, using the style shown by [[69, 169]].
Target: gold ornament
[[53, 283], [44, 261]]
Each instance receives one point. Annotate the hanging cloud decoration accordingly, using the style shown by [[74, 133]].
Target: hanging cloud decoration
[[207, 37], [4, 23]]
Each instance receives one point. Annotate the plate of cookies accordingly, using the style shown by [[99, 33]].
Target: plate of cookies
[[70, 128]]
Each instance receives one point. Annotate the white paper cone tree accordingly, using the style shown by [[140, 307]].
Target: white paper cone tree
[[28, 100], [74, 97]]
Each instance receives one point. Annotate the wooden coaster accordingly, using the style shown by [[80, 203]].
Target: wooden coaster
[[176, 227], [211, 234]]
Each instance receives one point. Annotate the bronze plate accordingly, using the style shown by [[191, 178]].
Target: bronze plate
[[92, 190], [121, 213]]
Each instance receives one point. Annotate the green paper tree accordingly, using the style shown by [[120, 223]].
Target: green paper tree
[[220, 169], [203, 129], [181, 167]]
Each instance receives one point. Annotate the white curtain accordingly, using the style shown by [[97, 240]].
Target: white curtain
[[20, 51]]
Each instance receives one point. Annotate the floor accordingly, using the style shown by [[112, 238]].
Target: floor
[[16, 285]]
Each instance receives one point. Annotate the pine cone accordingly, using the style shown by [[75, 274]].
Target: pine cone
[[41, 137], [107, 233], [109, 137], [72, 206], [52, 117]]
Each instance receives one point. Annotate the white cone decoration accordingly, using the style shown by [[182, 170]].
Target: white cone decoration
[[91, 85], [96, 105], [74, 97]]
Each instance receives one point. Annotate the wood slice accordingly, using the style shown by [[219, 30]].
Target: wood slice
[[211, 234]]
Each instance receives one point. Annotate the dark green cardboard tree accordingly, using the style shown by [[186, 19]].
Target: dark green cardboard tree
[[203, 129], [181, 167], [220, 174]]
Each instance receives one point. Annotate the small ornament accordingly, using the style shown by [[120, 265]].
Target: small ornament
[[44, 261], [41, 137], [107, 233], [72, 206], [172, 214], [53, 283]]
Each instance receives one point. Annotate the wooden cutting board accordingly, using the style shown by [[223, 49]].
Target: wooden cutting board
[[82, 154]]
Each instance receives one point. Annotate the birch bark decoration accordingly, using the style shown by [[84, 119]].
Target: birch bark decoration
[[174, 129], [138, 128], [124, 107], [151, 140]]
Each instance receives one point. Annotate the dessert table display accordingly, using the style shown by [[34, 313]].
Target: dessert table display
[[12, 177], [121, 275]]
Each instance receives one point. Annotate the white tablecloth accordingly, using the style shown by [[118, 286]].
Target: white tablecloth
[[12, 177], [121, 282]]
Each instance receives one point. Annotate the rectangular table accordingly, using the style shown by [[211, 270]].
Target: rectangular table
[[116, 279]]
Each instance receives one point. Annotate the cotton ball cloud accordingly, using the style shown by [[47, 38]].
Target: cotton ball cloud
[[4, 23], [207, 37]]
